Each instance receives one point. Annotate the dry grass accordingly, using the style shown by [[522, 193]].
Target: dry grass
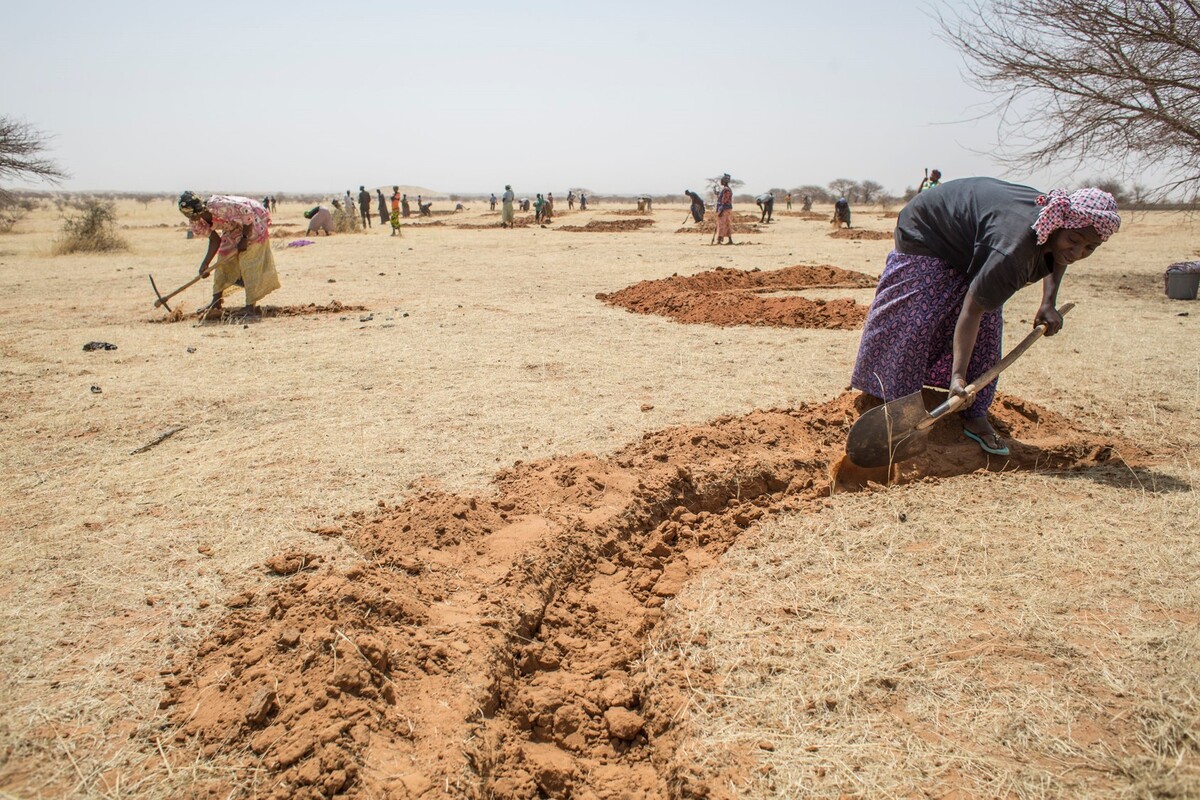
[[987, 645], [113, 562]]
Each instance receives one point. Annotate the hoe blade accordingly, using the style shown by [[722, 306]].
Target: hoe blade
[[888, 434]]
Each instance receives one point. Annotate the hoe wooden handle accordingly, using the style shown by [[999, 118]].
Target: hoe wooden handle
[[163, 300]]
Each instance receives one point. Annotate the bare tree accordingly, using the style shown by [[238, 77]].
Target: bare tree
[[818, 193], [712, 184], [843, 187], [1112, 186], [870, 192], [20, 154], [1079, 81]]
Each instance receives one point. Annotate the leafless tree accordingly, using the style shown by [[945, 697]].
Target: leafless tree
[[20, 154], [1085, 81], [818, 193], [843, 187], [712, 184], [870, 191]]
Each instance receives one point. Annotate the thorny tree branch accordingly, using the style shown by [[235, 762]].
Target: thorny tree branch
[[20, 146], [1080, 81]]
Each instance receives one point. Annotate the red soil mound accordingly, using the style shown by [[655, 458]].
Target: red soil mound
[[490, 646], [742, 223], [859, 233], [733, 297], [610, 225]]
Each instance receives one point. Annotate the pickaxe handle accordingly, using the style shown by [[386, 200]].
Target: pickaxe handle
[[162, 301]]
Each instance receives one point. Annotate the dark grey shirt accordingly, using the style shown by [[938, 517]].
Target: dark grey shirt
[[981, 227]]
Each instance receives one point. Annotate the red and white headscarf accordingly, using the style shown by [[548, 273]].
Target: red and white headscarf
[[1084, 208]]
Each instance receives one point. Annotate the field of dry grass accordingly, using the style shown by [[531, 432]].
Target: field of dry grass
[[1022, 635]]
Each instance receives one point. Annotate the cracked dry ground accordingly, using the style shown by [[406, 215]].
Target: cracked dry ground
[[491, 646]]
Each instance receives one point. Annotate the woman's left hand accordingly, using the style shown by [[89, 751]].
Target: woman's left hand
[[1049, 315]]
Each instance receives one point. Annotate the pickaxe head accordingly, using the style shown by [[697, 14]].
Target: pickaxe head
[[161, 301]]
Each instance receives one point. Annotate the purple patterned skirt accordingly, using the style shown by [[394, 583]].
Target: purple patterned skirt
[[908, 339]]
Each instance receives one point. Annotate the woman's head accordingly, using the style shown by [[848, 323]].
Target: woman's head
[[1068, 245], [1084, 208], [190, 205]]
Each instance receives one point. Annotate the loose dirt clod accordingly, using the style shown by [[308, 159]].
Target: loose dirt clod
[[490, 645], [735, 297]]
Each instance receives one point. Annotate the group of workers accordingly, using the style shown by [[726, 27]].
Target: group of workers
[[961, 250], [766, 207]]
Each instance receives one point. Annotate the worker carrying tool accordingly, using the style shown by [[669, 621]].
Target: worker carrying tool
[[960, 253], [238, 232]]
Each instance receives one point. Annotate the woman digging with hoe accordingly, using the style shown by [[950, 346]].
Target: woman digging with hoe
[[242, 246], [960, 253]]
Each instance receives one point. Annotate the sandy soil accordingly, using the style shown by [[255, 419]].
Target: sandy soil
[[445, 524]]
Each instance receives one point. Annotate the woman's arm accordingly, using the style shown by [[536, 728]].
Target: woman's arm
[[1048, 311], [244, 242], [214, 242], [966, 331]]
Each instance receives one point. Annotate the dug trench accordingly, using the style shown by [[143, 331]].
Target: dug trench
[[491, 646], [235, 314]]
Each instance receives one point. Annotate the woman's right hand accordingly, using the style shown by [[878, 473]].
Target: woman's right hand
[[958, 386]]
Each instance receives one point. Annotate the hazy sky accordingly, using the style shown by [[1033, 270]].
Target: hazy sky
[[615, 96]]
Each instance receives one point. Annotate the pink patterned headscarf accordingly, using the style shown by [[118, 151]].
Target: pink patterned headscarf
[[1084, 208]]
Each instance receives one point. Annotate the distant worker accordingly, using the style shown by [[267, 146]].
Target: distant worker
[[506, 207], [364, 206], [405, 211], [492, 202], [766, 204], [459, 207], [319, 219], [238, 232], [423, 208], [266, 201], [348, 205], [539, 208], [807, 203], [841, 213], [582, 201], [549, 206], [789, 201], [272, 204], [697, 208], [394, 218], [932, 179], [724, 211], [383, 211], [570, 201]]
